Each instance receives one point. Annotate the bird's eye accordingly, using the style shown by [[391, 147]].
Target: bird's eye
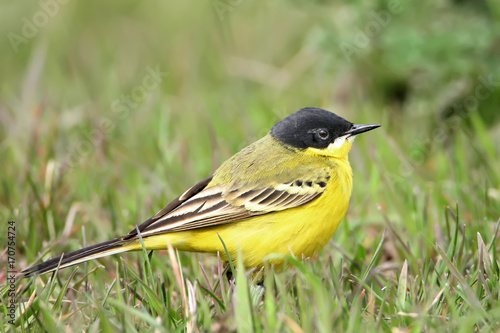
[[323, 134]]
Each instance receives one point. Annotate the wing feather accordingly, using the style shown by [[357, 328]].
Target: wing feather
[[191, 192], [218, 205]]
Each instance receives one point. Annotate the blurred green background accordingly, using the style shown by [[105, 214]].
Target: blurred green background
[[230, 70], [89, 137], [73, 94]]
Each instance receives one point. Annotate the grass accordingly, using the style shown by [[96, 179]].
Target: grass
[[418, 250]]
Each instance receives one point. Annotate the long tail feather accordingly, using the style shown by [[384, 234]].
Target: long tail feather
[[69, 259]]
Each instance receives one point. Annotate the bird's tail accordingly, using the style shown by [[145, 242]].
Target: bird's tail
[[104, 249]]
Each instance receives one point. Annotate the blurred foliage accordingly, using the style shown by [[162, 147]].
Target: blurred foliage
[[78, 151]]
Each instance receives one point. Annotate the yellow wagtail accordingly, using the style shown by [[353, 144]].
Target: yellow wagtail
[[286, 192]]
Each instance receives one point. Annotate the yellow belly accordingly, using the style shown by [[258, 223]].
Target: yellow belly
[[303, 231]]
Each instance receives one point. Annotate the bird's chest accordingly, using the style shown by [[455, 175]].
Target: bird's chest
[[323, 216]]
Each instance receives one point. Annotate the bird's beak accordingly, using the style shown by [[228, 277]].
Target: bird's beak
[[358, 129]]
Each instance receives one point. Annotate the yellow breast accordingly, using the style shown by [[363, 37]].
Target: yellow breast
[[301, 231]]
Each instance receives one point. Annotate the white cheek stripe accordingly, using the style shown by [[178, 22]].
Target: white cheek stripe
[[339, 142]]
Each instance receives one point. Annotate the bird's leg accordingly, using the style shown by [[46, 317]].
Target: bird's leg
[[229, 274]]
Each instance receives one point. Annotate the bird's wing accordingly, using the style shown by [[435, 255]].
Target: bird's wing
[[203, 206], [190, 193]]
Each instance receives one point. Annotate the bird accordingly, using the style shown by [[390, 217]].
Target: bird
[[284, 194]]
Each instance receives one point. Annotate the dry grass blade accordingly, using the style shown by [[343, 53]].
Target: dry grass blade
[[176, 266]]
